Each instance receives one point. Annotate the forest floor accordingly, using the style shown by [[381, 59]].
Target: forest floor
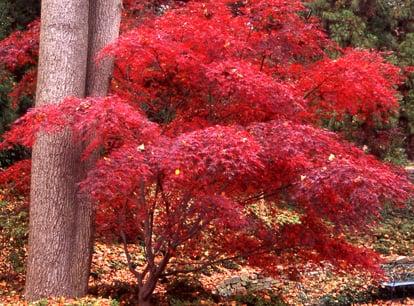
[[112, 284]]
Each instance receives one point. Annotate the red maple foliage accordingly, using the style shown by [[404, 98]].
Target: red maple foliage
[[21, 48], [212, 131], [339, 87], [18, 54], [17, 177]]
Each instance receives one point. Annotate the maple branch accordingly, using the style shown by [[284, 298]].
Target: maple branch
[[164, 198], [148, 223], [263, 194], [317, 87], [157, 190], [158, 246], [130, 263], [182, 212], [212, 262], [192, 231], [154, 277], [157, 58], [249, 34], [129, 259], [262, 61]]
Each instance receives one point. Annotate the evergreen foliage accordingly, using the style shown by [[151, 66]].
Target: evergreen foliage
[[385, 25], [16, 14]]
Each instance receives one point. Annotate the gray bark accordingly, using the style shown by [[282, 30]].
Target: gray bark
[[61, 224], [104, 21], [61, 73]]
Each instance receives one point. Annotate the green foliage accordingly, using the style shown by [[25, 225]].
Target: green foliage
[[43, 302], [346, 28], [82, 302], [407, 108], [14, 233], [247, 299], [396, 154], [283, 216], [380, 24], [386, 25], [8, 157], [256, 300], [231, 265], [16, 14], [406, 50], [385, 141], [197, 302], [395, 235], [347, 296], [7, 115], [117, 264], [114, 303]]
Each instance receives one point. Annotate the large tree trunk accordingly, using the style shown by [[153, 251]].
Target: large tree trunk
[[55, 171], [104, 21], [61, 224]]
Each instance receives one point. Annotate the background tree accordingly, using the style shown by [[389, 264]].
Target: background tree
[[59, 260], [385, 26], [55, 168]]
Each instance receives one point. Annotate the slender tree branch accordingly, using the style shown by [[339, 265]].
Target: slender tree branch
[[212, 262], [266, 194], [153, 279], [262, 62], [129, 260], [316, 88]]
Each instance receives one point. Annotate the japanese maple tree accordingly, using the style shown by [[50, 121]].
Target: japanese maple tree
[[213, 130]]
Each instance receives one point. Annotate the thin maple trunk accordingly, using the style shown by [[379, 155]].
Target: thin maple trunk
[[55, 170], [145, 292], [104, 21], [144, 302]]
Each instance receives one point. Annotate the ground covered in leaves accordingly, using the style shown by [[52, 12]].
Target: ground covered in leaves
[[112, 284]]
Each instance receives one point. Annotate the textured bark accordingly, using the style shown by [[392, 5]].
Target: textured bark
[[104, 21], [146, 302], [61, 224], [55, 171]]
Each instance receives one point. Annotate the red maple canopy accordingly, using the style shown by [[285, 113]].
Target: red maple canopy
[[212, 132]]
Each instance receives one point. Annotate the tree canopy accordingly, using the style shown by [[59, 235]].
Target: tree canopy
[[216, 113]]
